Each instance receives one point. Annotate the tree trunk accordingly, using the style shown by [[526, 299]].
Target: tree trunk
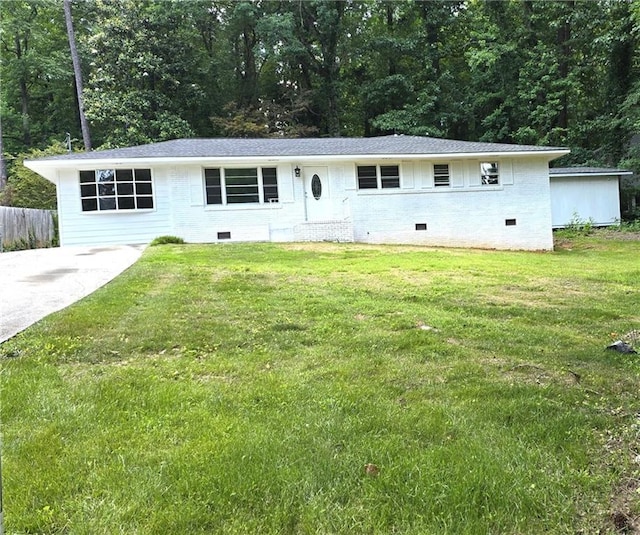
[[249, 78], [86, 137], [564, 44], [24, 95], [330, 70], [531, 38], [393, 69]]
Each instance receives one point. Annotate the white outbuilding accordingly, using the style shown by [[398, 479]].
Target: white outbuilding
[[585, 195]]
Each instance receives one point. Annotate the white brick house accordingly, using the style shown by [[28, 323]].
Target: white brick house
[[391, 189]]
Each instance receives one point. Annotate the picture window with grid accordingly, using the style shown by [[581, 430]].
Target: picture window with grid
[[116, 189]]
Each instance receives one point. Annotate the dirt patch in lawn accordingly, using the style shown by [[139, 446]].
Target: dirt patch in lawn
[[567, 242], [618, 235], [622, 517]]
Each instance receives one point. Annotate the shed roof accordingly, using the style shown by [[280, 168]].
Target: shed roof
[[586, 171]]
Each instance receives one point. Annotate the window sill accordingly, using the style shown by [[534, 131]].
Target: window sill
[[118, 212], [432, 189], [388, 191], [242, 207], [462, 189]]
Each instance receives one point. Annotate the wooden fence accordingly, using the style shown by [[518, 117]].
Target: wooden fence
[[26, 228]]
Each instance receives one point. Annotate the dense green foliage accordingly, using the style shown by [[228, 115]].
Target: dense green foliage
[[525, 71], [28, 189], [242, 388], [164, 240]]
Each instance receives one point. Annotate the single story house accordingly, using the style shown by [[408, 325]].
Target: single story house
[[585, 195], [389, 189]]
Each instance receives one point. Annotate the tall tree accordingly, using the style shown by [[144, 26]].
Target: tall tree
[[77, 71], [495, 60], [146, 78], [318, 25], [244, 40], [404, 67], [622, 69], [391, 52], [16, 44], [35, 74]]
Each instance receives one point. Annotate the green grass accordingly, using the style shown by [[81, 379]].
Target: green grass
[[243, 389]]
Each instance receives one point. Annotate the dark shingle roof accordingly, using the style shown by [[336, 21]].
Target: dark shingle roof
[[582, 171], [280, 147]]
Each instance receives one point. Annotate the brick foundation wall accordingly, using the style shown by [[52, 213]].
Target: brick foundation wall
[[340, 231]]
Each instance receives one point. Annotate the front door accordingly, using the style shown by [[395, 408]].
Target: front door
[[316, 192]]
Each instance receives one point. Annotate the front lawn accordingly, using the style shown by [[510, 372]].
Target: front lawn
[[332, 388]]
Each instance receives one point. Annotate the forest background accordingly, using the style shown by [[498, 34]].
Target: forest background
[[558, 73]]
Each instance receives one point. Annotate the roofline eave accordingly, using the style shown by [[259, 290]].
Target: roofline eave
[[46, 167], [43, 168]]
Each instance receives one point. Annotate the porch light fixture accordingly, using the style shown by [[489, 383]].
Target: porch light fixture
[[297, 171]]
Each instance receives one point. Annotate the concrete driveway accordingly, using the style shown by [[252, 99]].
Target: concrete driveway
[[35, 283]]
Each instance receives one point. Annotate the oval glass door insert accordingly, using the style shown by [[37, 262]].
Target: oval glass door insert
[[316, 187]]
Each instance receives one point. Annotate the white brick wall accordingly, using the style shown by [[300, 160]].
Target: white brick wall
[[340, 231], [466, 214], [195, 221]]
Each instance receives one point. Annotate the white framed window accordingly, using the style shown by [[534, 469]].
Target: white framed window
[[235, 185], [489, 173], [441, 175], [104, 190], [378, 176]]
